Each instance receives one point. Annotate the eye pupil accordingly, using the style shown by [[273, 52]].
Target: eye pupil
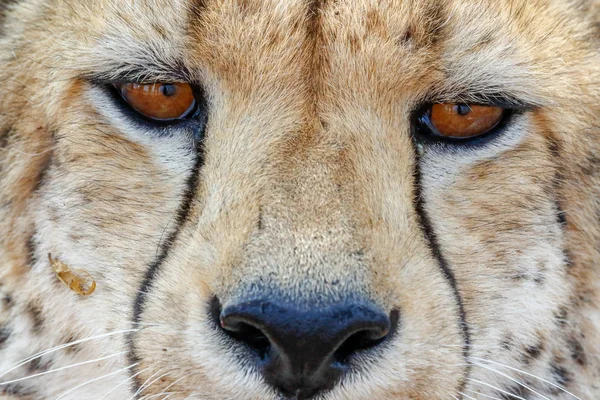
[[462, 109], [168, 90]]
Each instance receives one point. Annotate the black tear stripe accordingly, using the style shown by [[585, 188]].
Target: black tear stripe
[[154, 268], [427, 227]]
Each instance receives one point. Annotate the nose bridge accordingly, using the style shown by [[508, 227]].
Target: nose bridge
[[311, 197], [305, 247]]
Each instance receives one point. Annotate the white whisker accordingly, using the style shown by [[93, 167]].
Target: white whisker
[[528, 374], [514, 396], [512, 379], [94, 380], [165, 390], [467, 396], [122, 383], [158, 395], [154, 381], [63, 346], [173, 383], [143, 386], [484, 395], [62, 368]]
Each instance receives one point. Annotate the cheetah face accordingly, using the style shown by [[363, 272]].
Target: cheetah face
[[291, 199]]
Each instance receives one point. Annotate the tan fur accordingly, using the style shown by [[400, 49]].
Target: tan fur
[[308, 186]]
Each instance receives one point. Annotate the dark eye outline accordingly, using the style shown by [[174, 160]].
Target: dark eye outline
[[194, 120], [425, 131]]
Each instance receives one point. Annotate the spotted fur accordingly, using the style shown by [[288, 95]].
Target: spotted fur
[[308, 183]]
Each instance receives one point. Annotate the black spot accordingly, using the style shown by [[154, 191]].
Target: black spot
[[405, 38], [561, 316], [507, 342], [7, 300], [568, 259], [5, 134], [72, 348], [560, 374], [4, 335], [261, 223], [532, 353], [324, 124], [515, 392], [554, 147], [358, 254], [38, 365], [561, 216], [518, 277], [577, 351], [37, 319], [31, 246], [17, 390], [44, 168]]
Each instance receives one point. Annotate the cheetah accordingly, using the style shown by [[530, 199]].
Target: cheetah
[[300, 199]]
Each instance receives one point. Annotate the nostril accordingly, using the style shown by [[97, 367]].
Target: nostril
[[366, 339], [252, 336], [358, 341], [241, 330]]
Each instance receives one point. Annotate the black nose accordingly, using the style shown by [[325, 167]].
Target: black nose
[[302, 353]]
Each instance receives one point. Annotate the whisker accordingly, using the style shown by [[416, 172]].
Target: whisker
[[165, 390], [528, 374], [63, 346], [512, 379], [95, 380], [484, 395], [62, 368], [143, 386], [155, 380], [514, 396], [122, 383], [173, 383], [160, 394], [467, 396]]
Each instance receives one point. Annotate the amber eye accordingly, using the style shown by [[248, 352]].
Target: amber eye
[[159, 101], [461, 121]]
